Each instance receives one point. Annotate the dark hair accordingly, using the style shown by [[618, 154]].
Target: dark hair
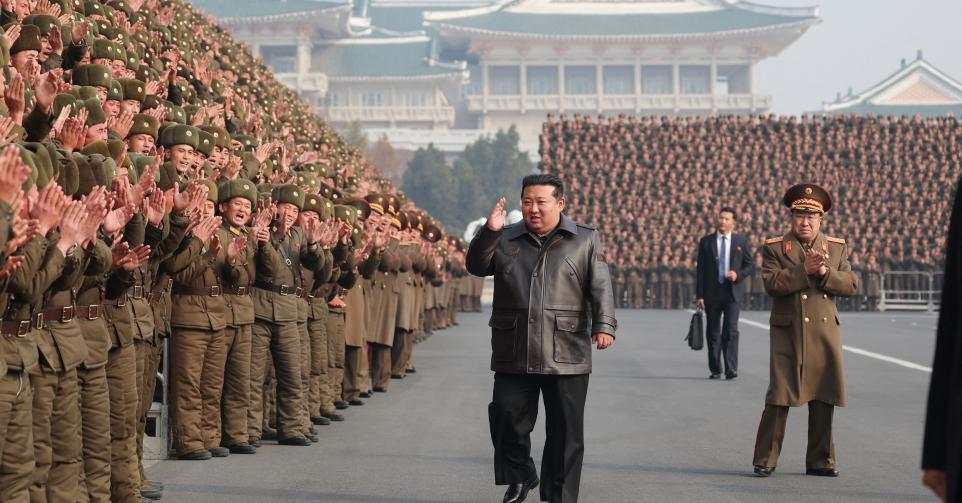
[[728, 209], [545, 179]]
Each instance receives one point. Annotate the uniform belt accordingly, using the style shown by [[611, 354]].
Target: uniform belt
[[119, 302], [14, 328], [136, 292], [281, 289], [156, 295], [91, 312], [208, 291], [62, 314], [239, 290]]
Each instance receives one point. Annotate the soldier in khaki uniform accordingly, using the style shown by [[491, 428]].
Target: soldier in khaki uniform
[[278, 283], [236, 199], [804, 271]]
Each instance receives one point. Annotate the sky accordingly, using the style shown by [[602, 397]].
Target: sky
[[857, 44]]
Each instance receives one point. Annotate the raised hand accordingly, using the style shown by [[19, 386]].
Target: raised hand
[[154, 207], [13, 172], [48, 207], [122, 124], [72, 229], [78, 31], [497, 216], [10, 265], [14, 99], [115, 220], [814, 263], [235, 248]]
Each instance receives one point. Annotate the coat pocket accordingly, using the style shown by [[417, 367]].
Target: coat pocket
[[504, 337], [571, 341]]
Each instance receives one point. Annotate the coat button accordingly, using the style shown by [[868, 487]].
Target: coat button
[[807, 320], [535, 274], [824, 295], [804, 297], [824, 319], [531, 320]]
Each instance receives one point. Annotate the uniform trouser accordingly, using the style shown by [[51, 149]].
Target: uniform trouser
[[282, 341], [353, 360], [122, 387], [380, 364], [399, 362], [304, 338], [320, 388], [58, 450], [16, 437], [771, 432], [335, 356], [637, 295], [722, 336], [95, 426], [237, 387], [512, 415], [269, 390], [148, 361], [197, 360], [408, 354]]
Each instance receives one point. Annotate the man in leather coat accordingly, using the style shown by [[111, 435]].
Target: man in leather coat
[[552, 300]]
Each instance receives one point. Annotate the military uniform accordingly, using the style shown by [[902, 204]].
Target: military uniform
[[806, 348]]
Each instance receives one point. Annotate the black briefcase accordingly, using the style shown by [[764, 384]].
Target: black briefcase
[[696, 331]]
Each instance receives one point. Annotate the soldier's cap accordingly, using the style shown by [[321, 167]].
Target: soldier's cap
[[287, 193], [133, 89], [91, 75], [237, 188], [45, 22], [205, 142], [95, 112], [115, 91], [211, 189], [363, 208], [179, 134], [377, 202], [393, 204], [432, 234], [808, 198], [144, 124], [29, 39], [323, 207], [221, 138]]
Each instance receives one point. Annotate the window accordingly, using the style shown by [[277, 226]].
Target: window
[[695, 79], [656, 79], [542, 80], [281, 58], [332, 99], [733, 79], [372, 99], [580, 80], [505, 80], [619, 79], [415, 99]]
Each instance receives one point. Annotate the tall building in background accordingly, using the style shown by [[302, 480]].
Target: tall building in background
[[446, 72]]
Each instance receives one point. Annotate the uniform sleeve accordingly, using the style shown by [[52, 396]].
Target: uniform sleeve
[[779, 281], [183, 257], [29, 283], [99, 258], [842, 282]]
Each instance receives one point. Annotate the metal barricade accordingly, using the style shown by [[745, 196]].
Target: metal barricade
[[910, 291]]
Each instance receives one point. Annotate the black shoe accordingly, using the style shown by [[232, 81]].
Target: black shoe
[[297, 441], [715, 376], [201, 455], [312, 430], [764, 471], [380, 389], [340, 404], [333, 416], [366, 394], [356, 403], [219, 452], [256, 442], [822, 472], [321, 421], [397, 376], [313, 438], [412, 370], [269, 434], [242, 448], [516, 493], [731, 375]]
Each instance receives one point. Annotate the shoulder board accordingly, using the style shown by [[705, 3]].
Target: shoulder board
[[774, 240], [835, 240]]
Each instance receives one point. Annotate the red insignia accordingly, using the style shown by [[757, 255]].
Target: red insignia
[[788, 247]]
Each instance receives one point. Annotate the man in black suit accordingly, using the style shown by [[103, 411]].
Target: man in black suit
[[724, 262], [942, 445]]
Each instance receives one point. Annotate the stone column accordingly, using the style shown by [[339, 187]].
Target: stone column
[[599, 85]]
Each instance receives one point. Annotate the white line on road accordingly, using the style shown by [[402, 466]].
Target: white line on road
[[858, 351]]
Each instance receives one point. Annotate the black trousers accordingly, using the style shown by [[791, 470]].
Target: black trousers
[[512, 415], [722, 333]]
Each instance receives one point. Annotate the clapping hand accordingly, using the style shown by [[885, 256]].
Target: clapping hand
[[815, 263]]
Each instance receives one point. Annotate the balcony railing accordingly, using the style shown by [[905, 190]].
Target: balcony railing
[[683, 102], [444, 115], [312, 82]]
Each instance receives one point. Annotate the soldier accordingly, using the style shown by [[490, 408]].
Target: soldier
[[236, 200], [757, 285], [873, 283], [804, 271]]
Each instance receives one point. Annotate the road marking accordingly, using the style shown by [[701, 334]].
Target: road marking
[[858, 351]]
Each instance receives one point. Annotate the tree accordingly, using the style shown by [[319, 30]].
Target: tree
[[356, 136], [499, 166], [432, 185], [384, 156]]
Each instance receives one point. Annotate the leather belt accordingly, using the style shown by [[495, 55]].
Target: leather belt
[[209, 291], [13, 328], [136, 292], [281, 289], [156, 295], [91, 312], [120, 302], [61, 314], [240, 290]]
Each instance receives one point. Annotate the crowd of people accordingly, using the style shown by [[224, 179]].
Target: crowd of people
[[654, 184], [159, 188]]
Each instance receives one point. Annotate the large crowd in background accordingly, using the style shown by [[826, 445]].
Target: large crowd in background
[[653, 186], [157, 183]]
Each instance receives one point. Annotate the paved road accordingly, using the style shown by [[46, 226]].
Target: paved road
[[658, 430]]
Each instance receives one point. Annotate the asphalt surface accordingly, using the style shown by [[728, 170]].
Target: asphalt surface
[[657, 429]]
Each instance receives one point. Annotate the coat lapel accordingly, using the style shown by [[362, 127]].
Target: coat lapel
[[714, 245]]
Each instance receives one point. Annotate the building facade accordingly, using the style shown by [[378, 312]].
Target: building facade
[[449, 72]]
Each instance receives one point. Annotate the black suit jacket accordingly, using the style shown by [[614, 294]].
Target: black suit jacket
[[942, 445], [742, 262]]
